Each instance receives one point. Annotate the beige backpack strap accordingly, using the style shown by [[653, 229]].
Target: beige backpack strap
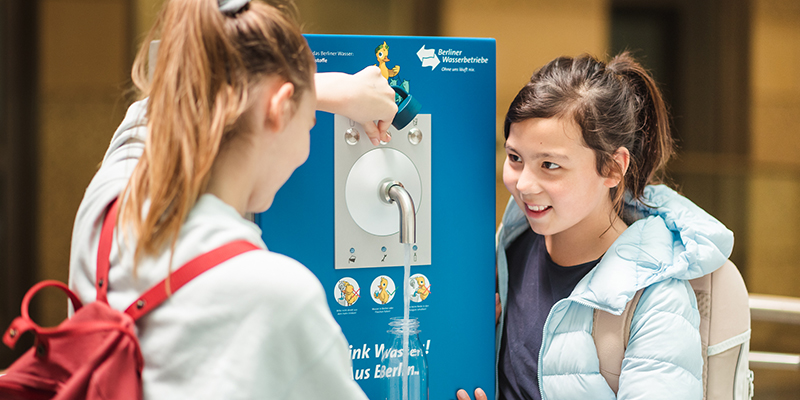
[[724, 333], [611, 333]]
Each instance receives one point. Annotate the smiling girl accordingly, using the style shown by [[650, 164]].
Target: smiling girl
[[586, 230]]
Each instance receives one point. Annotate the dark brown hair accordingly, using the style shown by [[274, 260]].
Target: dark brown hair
[[615, 105], [207, 67]]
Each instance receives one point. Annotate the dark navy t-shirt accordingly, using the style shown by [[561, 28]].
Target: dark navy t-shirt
[[535, 284]]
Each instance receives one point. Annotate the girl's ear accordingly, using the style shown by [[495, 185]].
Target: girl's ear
[[623, 159], [279, 107]]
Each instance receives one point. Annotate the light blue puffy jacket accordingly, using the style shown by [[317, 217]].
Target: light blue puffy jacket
[[671, 243]]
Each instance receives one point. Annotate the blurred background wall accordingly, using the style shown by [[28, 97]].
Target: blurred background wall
[[728, 69]]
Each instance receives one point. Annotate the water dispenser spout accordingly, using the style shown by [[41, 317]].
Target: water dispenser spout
[[394, 192]]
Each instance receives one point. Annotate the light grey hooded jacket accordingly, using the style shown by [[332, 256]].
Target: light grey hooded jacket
[[667, 245]]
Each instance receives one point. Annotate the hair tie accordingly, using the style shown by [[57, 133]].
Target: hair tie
[[232, 6]]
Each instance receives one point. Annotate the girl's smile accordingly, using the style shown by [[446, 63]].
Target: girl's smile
[[534, 211]]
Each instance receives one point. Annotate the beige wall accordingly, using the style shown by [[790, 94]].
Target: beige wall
[[146, 12], [83, 64], [357, 17], [776, 82], [775, 148], [774, 219], [528, 34]]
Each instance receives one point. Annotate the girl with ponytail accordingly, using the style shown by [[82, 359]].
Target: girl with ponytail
[[587, 228], [224, 121]]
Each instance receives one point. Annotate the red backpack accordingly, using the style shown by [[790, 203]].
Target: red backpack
[[95, 353]]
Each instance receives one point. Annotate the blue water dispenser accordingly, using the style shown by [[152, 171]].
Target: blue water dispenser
[[346, 212]]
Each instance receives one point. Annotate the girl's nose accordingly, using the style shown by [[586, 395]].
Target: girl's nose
[[527, 183]]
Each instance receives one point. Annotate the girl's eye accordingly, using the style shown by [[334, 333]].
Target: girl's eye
[[514, 158], [550, 165]]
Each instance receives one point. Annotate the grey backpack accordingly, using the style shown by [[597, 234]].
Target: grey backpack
[[723, 303]]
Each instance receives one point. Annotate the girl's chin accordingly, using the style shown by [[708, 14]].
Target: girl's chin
[[261, 207], [537, 228], [543, 229]]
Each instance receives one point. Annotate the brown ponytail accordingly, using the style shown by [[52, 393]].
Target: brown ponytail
[[208, 63], [653, 145], [615, 105]]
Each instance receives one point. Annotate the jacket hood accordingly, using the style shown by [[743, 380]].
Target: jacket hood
[[672, 238]]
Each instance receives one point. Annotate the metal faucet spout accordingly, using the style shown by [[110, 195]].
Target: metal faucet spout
[[393, 191]]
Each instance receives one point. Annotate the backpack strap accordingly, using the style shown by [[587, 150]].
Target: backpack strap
[[611, 334], [104, 251], [158, 293]]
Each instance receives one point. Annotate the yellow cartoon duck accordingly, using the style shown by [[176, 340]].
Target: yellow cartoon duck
[[348, 292], [382, 53], [381, 294], [422, 291]]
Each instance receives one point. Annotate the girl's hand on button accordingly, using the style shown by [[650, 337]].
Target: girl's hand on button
[[375, 103], [364, 97], [479, 394]]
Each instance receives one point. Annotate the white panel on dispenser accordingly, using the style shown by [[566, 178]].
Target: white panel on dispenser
[[366, 227]]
